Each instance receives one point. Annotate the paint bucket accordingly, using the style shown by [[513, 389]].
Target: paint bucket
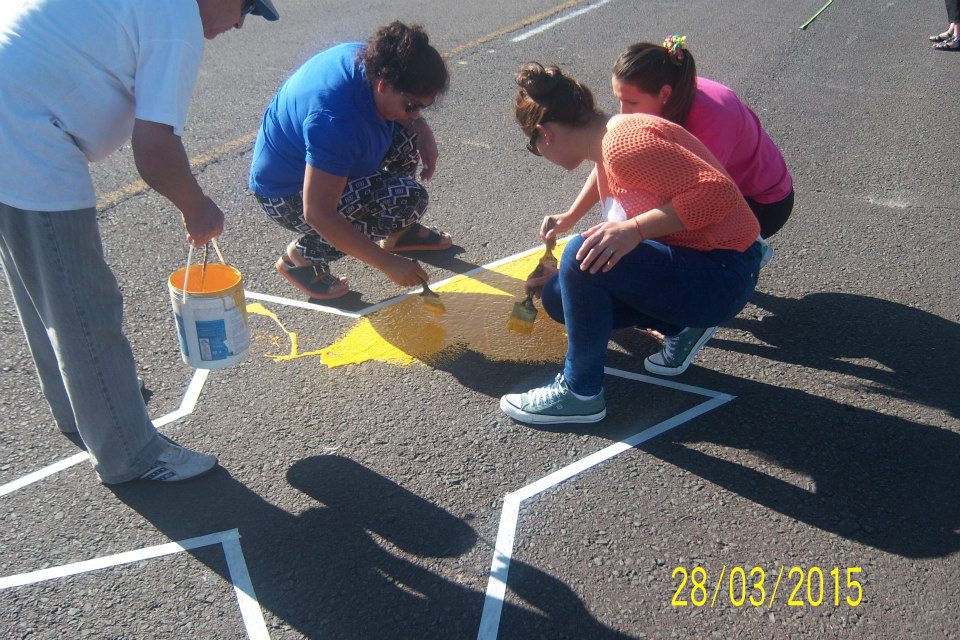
[[210, 314]]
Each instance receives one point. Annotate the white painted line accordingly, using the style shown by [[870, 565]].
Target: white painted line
[[300, 303], [556, 21], [30, 478], [229, 541], [117, 559], [499, 570], [187, 405], [189, 402], [571, 470], [243, 587], [506, 534], [661, 382]]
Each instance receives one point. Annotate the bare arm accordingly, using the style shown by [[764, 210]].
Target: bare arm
[[589, 196], [163, 164], [321, 195], [426, 146]]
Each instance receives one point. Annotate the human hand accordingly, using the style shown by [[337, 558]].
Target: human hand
[[553, 226], [203, 222], [538, 279], [404, 271], [605, 244]]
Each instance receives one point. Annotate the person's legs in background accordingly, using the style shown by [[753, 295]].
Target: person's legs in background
[[950, 39]]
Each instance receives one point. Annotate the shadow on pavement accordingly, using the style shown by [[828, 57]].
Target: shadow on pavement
[[918, 351], [875, 478], [341, 568]]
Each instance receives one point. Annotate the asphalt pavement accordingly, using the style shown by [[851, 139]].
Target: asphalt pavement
[[800, 480]]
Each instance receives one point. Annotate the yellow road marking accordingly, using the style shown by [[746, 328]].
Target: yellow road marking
[[136, 188], [514, 27]]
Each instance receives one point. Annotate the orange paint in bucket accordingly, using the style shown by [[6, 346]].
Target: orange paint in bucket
[[211, 319]]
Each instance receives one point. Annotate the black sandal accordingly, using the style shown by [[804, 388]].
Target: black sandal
[[940, 37], [318, 284]]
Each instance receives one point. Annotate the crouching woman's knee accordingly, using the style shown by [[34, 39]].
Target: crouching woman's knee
[[552, 300]]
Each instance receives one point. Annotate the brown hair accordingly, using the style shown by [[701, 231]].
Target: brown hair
[[547, 94], [402, 56], [650, 67]]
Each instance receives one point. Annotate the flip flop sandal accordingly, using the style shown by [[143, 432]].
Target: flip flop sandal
[[420, 238], [940, 37], [948, 45], [321, 285]]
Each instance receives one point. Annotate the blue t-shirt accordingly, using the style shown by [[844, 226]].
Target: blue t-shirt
[[323, 115]]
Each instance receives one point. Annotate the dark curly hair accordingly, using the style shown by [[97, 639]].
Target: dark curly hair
[[402, 56], [547, 94], [650, 67]]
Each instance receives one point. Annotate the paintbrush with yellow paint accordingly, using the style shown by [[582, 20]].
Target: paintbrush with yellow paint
[[431, 300], [524, 314]]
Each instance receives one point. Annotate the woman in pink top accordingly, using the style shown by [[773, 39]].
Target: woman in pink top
[[662, 81], [679, 247]]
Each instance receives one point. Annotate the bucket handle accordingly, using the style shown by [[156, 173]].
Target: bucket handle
[[186, 272]]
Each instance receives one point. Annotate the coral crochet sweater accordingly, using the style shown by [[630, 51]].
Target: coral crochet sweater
[[649, 162]]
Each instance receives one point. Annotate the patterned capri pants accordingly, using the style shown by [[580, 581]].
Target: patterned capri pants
[[377, 204]]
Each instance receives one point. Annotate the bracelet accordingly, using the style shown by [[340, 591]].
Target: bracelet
[[636, 222]]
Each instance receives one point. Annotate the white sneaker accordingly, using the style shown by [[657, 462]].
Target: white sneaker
[[178, 463]]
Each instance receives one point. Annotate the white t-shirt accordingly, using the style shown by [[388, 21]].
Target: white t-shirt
[[75, 74]]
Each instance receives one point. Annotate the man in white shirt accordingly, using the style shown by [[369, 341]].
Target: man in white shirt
[[78, 80]]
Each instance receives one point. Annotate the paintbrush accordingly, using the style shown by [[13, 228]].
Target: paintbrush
[[431, 300], [524, 314]]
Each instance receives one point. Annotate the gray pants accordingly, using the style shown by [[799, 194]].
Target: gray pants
[[72, 311]]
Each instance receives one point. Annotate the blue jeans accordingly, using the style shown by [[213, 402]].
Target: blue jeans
[[72, 311], [655, 286]]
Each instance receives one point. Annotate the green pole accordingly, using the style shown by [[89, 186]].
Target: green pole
[[807, 23]]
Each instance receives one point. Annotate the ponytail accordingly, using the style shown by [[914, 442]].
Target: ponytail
[[649, 67]]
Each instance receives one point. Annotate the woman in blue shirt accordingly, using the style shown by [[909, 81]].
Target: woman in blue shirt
[[336, 155]]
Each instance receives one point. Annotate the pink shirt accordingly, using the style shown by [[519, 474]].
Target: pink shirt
[[733, 133]]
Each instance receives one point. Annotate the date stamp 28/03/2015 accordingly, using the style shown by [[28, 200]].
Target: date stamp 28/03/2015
[[748, 586]]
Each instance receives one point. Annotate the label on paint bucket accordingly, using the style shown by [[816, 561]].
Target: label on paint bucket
[[221, 331]]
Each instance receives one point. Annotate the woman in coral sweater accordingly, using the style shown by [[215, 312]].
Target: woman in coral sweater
[[662, 80], [678, 247]]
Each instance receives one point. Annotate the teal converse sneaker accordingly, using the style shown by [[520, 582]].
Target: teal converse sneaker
[[766, 252], [678, 351], [553, 404]]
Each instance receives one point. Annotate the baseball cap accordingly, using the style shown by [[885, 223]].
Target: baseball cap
[[266, 9]]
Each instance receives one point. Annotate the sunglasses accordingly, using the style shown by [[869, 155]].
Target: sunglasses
[[534, 135], [532, 143], [248, 7], [412, 106]]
